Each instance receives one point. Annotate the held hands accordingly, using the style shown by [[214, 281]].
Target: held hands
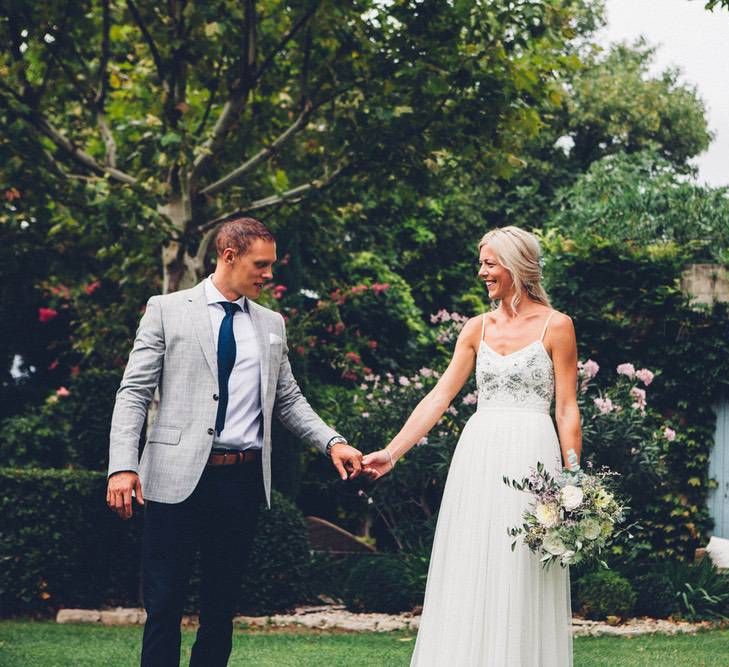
[[119, 493], [377, 464], [347, 460]]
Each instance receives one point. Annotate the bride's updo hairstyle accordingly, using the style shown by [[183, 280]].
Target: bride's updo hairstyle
[[519, 253]]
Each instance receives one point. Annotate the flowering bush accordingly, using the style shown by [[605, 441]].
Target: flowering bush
[[571, 518], [623, 432]]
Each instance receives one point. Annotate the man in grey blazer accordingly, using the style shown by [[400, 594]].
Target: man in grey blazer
[[221, 366]]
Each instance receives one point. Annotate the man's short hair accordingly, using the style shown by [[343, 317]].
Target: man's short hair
[[238, 232]]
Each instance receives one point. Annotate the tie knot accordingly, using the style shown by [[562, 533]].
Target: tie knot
[[229, 307]]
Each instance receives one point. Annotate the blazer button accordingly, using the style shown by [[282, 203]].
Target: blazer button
[[215, 397], [211, 431]]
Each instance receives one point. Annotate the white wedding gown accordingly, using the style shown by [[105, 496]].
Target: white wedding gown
[[486, 605]]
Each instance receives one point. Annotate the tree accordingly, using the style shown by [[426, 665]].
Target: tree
[[201, 109]]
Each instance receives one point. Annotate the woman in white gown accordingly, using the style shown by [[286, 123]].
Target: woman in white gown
[[484, 604]]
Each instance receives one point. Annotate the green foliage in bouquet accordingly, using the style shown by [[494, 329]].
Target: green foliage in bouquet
[[571, 517], [605, 593]]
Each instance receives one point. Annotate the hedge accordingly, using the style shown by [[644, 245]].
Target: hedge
[[60, 546]]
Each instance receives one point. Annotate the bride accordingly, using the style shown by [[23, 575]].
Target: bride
[[484, 604]]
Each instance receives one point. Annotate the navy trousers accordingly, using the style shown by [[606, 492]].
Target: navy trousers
[[218, 520]]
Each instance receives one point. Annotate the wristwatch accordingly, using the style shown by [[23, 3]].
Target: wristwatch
[[336, 440]]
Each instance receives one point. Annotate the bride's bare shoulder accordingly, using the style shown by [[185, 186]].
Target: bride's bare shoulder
[[561, 327], [471, 331]]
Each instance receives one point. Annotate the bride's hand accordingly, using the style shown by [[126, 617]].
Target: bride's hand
[[376, 464]]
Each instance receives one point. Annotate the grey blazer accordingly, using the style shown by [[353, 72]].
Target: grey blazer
[[173, 351]]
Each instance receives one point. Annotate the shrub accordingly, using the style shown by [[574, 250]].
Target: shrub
[[60, 546], [66, 430], [605, 593], [655, 596], [701, 590], [279, 558], [378, 584]]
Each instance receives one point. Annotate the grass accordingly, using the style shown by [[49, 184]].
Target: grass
[[46, 644]]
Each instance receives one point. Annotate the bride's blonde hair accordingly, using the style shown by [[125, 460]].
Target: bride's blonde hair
[[519, 253]]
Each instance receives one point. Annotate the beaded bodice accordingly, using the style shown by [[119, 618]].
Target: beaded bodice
[[523, 379]]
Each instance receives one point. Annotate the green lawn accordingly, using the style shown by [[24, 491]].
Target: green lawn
[[46, 644]]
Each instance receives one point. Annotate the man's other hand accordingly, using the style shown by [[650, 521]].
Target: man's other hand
[[119, 492]]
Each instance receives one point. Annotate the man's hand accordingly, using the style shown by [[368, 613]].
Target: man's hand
[[347, 460], [376, 464], [119, 493]]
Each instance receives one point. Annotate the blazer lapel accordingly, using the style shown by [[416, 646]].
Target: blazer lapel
[[198, 308], [263, 346]]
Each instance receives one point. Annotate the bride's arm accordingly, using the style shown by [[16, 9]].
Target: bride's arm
[[561, 337], [431, 408]]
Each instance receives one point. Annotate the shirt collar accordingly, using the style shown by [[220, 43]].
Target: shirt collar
[[213, 295]]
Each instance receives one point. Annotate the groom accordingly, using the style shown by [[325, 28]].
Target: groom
[[220, 363]]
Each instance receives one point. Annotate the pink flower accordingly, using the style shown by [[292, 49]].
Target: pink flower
[[357, 289], [354, 357], [426, 372], [339, 328], [470, 399], [604, 405], [588, 369], [372, 344], [626, 369], [452, 411], [45, 315], [75, 370], [365, 415], [645, 376], [53, 365], [422, 441], [92, 287], [349, 375], [669, 434], [441, 316], [378, 288], [639, 396], [300, 350], [278, 291], [403, 381], [62, 392]]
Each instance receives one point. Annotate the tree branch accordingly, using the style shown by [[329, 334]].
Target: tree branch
[[285, 40], [290, 196], [100, 101], [159, 63], [211, 99], [259, 157], [237, 98]]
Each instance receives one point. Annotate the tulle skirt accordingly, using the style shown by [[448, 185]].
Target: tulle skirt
[[484, 603]]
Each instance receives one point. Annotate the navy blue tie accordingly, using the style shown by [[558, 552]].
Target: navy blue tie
[[226, 360]]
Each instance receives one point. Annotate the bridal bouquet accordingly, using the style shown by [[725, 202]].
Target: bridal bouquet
[[571, 518]]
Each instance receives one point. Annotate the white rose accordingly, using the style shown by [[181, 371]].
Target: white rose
[[590, 529], [547, 514], [571, 497], [554, 545]]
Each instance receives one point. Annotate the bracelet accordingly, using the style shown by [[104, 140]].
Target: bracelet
[[392, 462]]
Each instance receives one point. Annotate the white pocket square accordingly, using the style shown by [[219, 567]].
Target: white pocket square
[[274, 339]]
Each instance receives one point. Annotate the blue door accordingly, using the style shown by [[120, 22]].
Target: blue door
[[719, 470]]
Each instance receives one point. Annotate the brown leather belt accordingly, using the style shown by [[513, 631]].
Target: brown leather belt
[[230, 458]]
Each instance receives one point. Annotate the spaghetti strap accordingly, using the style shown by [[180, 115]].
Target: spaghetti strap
[[544, 331], [483, 325]]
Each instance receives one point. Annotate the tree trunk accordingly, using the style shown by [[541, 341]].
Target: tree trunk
[[181, 269]]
